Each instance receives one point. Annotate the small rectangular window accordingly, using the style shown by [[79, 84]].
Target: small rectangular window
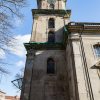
[[97, 50], [51, 37], [50, 66], [51, 23]]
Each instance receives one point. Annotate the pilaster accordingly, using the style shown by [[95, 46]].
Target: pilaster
[[81, 70], [26, 88]]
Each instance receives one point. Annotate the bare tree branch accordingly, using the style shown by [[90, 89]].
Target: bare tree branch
[[9, 9]]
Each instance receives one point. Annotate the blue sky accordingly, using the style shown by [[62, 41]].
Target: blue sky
[[85, 10], [82, 11]]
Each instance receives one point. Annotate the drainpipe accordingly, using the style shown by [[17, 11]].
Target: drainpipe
[[85, 66]]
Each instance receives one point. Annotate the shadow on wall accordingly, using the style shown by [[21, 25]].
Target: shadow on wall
[[97, 67]]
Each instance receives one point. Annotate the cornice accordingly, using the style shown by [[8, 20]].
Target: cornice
[[44, 46], [59, 12], [82, 27]]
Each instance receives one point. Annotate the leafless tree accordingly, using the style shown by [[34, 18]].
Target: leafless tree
[[20, 74], [9, 9]]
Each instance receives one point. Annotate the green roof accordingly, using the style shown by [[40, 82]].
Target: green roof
[[66, 13], [44, 46]]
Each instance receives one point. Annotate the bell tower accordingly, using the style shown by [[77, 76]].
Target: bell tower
[[51, 4], [45, 76]]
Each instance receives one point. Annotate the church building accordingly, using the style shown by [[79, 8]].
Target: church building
[[63, 57]]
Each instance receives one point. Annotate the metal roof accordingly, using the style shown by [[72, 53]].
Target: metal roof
[[83, 27]]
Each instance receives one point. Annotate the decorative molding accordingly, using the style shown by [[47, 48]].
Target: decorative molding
[[44, 46], [74, 36], [82, 27], [37, 12]]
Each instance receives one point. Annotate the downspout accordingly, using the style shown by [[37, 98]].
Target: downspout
[[85, 66]]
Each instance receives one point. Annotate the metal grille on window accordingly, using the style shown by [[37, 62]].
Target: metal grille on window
[[97, 50]]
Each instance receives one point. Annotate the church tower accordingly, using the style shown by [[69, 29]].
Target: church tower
[[45, 76], [63, 57]]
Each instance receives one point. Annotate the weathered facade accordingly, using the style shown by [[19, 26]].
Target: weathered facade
[[83, 49], [62, 57]]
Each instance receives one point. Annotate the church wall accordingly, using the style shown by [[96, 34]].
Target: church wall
[[75, 77], [49, 86], [82, 88], [70, 65], [37, 83], [75, 70], [27, 76], [88, 42], [88, 78], [58, 5], [40, 28]]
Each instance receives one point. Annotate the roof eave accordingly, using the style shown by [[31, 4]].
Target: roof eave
[[83, 27]]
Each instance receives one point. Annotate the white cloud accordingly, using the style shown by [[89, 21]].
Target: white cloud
[[20, 63], [18, 22], [2, 54], [19, 48]]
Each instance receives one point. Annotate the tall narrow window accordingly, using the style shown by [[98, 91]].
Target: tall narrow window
[[51, 23], [97, 50], [51, 37], [51, 6], [50, 66]]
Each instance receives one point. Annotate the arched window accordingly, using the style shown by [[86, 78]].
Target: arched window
[[51, 6], [51, 37], [97, 50], [50, 66], [51, 23]]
